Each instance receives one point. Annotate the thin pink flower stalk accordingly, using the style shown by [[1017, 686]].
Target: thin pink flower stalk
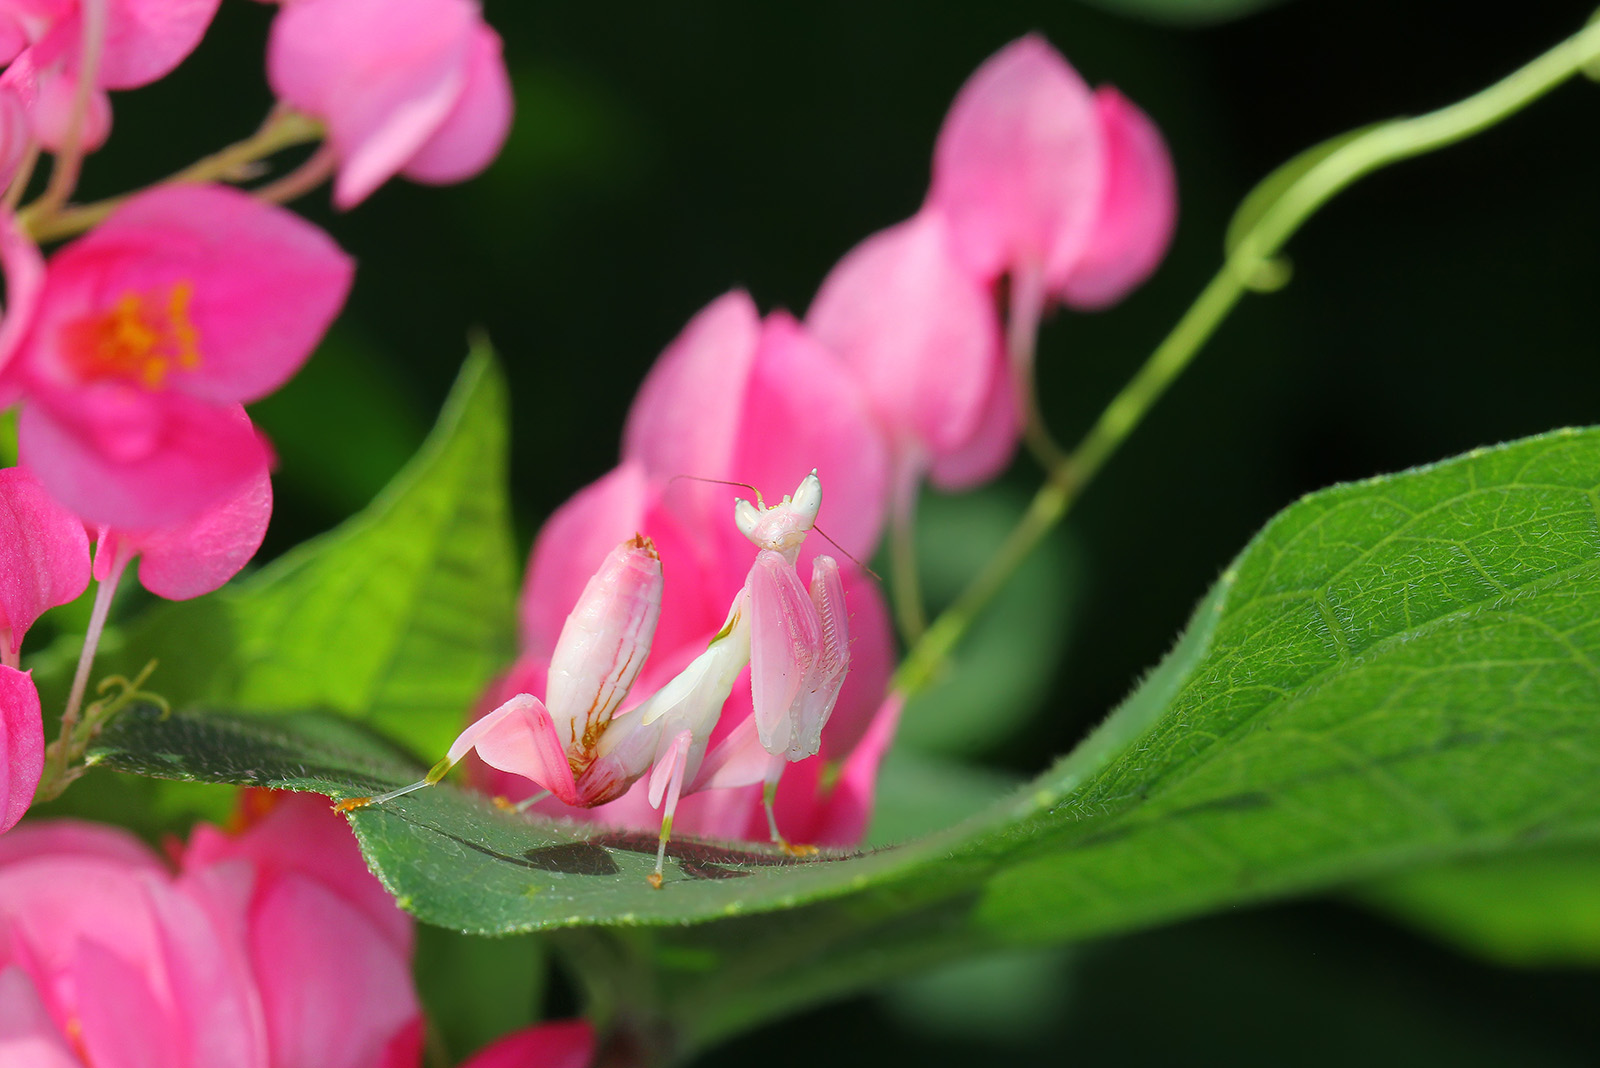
[[269, 948], [412, 87], [135, 348]]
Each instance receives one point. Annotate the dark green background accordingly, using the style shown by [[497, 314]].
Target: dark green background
[[664, 153]]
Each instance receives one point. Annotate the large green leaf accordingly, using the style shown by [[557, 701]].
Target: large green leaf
[[398, 617], [1532, 907], [1394, 672]]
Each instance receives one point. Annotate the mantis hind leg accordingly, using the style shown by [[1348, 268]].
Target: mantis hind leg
[[769, 794]]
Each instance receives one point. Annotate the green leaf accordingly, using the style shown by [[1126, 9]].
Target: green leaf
[[398, 617], [1540, 907], [1186, 12], [1393, 673]]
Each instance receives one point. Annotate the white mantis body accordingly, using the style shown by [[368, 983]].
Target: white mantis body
[[578, 748]]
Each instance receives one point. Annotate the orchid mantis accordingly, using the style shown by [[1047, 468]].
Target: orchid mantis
[[576, 745]]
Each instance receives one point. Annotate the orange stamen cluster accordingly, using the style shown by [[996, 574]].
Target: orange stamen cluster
[[141, 339]]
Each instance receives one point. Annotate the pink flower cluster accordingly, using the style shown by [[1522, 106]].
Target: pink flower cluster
[[1042, 189], [133, 350], [413, 87], [269, 948]]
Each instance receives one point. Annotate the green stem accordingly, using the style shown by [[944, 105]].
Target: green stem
[[1247, 262], [48, 221]]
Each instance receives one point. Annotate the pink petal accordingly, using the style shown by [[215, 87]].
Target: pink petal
[[21, 745], [335, 990], [13, 38], [1137, 212], [564, 1044], [28, 1037], [15, 133], [803, 410], [472, 134], [1019, 164], [145, 39], [50, 113], [384, 75], [988, 452], [73, 838], [238, 293], [915, 326], [839, 816], [124, 1026], [201, 554], [685, 420], [300, 834], [44, 553], [24, 278], [134, 461], [571, 546], [577, 537], [210, 979]]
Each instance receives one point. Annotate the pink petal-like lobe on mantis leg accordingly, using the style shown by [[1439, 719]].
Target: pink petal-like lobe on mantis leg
[[784, 634], [519, 737]]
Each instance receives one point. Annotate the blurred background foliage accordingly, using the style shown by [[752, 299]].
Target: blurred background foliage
[[664, 153]]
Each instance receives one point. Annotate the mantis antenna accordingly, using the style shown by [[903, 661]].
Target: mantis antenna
[[725, 482], [847, 552]]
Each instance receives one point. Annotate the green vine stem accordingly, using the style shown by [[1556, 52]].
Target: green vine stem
[[47, 220], [1265, 221]]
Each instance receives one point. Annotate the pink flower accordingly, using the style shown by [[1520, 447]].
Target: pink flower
[[737, 399], [268, 952], [1038, 175], [198, 555], [43, 40], [146, 336], [563, 1044], [922, 334], [269, 948], [1066, 193], [413, 87]]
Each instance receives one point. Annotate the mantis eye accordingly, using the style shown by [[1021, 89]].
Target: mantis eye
[[747, 517]]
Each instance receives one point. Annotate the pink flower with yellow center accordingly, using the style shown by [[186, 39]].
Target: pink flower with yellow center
[[136, 348]]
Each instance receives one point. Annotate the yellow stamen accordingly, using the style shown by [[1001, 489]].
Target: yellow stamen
[[139, 339]]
